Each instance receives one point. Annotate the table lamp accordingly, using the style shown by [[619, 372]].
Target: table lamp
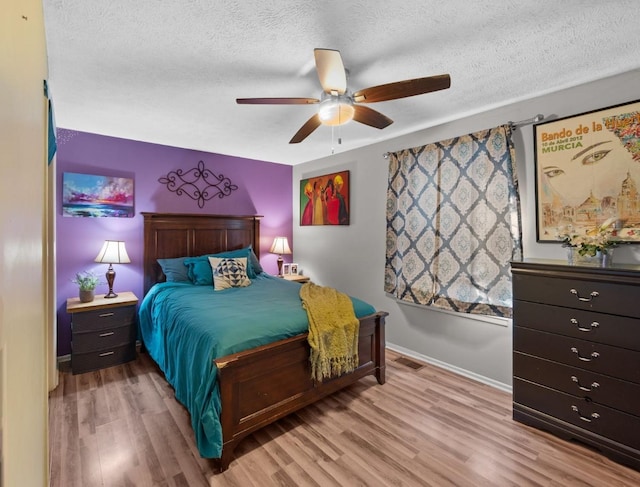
[[280, 246], [112, 252]]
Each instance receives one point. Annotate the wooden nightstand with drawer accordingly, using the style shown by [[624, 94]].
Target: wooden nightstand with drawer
[[104, 332]]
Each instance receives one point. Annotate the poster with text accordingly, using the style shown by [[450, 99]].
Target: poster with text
[[588, 173]]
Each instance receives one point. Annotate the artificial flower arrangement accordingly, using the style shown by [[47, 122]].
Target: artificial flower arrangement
[[86, 281], [600, 239]]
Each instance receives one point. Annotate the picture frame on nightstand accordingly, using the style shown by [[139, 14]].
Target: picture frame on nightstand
[[293, 269], [286, 269]]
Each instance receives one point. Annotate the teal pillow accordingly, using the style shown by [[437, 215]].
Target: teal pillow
[[253, 267], [174, 269], [200, 272]]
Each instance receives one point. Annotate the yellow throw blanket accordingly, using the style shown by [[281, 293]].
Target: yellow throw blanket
[[333, 331]]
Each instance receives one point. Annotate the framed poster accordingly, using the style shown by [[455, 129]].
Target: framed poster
[[587, 172], [324, 200], [89, 195]]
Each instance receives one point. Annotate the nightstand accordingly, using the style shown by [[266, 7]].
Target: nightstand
[[104, 332], [296, 278]]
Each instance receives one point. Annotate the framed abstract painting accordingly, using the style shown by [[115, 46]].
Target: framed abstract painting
[[324, 200], [588, 173], [89, 195]]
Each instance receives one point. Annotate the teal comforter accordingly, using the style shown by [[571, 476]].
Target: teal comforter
[[185, 327]]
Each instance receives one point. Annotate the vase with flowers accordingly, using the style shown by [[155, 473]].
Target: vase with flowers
[[594, 247]]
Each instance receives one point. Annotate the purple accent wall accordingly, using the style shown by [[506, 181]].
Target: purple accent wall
[[264, 188]]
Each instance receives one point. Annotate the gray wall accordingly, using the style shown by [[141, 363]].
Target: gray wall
[[351, 258]]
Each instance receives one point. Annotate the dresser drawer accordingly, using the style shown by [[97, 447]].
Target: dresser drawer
[[598, 388], [603, 359], [597, 327], [604, 297], [601, 420], [104, 318], [87, 341], [86, 362]]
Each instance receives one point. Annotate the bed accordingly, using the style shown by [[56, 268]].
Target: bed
[[254, 386]]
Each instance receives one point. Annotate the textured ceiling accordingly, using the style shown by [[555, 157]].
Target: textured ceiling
[[169, 72]]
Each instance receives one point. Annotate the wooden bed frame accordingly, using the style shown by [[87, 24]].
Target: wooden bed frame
[[263, 384]]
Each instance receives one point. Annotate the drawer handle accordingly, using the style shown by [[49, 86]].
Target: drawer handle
[[594, 385], [108, 334], [594, 294], [106, 315], [106, 354], [592, 326], [585, 418], [593, 355]]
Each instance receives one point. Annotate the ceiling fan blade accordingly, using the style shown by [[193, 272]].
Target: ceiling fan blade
[[402, 89], [276, 101], [309, 126], [370, 117], [333, 77]]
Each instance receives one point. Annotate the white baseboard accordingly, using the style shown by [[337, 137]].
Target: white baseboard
[[452, 368]]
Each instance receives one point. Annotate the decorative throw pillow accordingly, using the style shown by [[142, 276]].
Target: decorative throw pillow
[[229, 272], [199, 269]]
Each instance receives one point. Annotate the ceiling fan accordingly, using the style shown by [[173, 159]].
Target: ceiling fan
[[339, 106]]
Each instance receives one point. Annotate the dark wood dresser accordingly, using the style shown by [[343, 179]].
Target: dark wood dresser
[[104, 332], [576, 354]]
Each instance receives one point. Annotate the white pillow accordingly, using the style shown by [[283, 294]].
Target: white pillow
[[229, 272]]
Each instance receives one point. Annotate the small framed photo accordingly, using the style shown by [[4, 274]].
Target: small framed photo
[[286, 269], [294, 269]]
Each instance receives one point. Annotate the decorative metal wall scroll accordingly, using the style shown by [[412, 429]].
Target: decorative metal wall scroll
[[199, 184]]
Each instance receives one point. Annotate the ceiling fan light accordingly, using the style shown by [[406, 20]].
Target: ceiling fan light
[[336, 110]]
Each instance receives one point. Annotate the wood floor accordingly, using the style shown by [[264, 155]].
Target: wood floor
[[425, 427]]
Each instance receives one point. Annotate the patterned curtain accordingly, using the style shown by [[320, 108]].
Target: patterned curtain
[[453, 223]]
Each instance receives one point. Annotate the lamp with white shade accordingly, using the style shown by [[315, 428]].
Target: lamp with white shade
[[280, 246], [112, 252]]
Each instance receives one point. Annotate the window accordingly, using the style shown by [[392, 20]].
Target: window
[[453, 223]]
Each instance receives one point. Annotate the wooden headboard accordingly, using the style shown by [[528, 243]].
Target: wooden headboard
[[170, 235]]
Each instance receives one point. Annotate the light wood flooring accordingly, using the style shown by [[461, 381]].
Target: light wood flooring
[[425, 427]]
